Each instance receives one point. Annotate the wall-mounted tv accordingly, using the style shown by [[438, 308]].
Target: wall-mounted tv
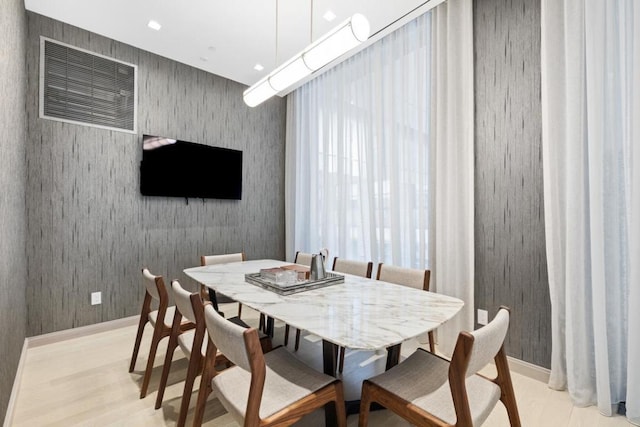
[[175, 168]]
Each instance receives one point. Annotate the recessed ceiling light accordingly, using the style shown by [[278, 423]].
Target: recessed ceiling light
[[329, 16], [258, 67], [154, 25]]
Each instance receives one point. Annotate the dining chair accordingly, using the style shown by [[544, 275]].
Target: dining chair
[[222, 259], [302, 258], [272, 389], [219, 259], [356, 268], [427, 390], [411, 277], [155, 293], [189, 307]]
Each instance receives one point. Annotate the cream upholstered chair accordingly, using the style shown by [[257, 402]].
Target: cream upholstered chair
[[189, 307], [220, 259], [302, 258], [412, 277], [262, 389], [427, 390], [357, 268], [155, 293]]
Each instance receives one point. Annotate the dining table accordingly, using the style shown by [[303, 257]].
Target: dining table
[[358, 313]]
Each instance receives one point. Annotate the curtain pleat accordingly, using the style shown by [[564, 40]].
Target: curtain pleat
[[590, 96], [452, 168]]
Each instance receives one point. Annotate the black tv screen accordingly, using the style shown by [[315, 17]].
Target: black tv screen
[[175, 168]]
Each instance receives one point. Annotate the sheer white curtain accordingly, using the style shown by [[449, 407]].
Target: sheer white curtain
[[358, 149], [591, 149], [371, 170], [452, 170]]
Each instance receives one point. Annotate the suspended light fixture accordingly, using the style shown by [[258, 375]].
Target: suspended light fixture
[[332, 45]]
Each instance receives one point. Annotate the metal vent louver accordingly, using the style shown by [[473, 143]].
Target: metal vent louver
[[85, 88]]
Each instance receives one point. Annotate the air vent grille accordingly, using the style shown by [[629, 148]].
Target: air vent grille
[[85, 88]]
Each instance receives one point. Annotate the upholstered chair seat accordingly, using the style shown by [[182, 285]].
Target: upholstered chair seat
[[428, 390], [287, 380]]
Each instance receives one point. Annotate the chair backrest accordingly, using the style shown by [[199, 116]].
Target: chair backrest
[[473, 351], [412, 277], [303, 258], [182, 299], [357, 268], [221, 259], [154, 285], [229, 338], [487, 342]]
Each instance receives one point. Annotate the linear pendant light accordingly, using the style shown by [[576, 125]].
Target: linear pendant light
[[332, 45]]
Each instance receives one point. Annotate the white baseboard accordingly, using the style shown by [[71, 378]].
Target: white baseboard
[[82, 331], [8, 418], [529, 369]]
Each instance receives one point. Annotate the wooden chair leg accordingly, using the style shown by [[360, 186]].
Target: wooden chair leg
[[195, 367], [297, 339], [203, 394], [365, 404], [157, 336], [432, 343], [239, 310], [341, 411], [507, 396], [171, 347], [341, 359], [136, 347]]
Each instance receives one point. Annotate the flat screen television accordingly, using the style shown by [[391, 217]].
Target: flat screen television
[[175, 168]]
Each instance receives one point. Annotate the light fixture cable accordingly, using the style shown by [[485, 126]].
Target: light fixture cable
[[319, 53]]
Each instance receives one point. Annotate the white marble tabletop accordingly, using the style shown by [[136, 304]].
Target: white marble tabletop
[[360, 313]]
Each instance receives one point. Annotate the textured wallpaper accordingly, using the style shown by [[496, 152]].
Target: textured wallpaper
[[90, 229], [13, 266], [510, 251]]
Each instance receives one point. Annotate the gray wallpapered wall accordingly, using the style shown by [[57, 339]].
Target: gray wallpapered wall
[[511, 266], [13, 265], [90, 229]]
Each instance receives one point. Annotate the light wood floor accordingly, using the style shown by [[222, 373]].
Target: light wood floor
[[84, 382]]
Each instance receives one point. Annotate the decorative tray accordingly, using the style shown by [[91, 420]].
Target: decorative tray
[[299, 286]]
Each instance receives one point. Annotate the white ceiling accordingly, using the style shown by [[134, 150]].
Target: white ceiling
[[224, 37]]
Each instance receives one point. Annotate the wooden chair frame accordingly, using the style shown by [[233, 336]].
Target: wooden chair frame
[[425, 287], [330, 393], [160, 331], [457, 381], [195, 359]]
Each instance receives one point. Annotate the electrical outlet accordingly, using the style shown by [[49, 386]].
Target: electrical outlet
[[96, 298], [483, 317]]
